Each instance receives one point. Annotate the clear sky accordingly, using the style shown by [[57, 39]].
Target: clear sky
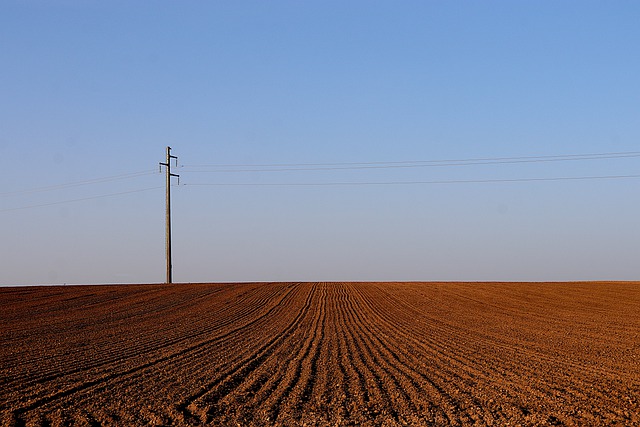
[[98, 89]]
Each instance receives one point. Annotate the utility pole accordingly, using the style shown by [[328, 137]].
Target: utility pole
[[168, 214]]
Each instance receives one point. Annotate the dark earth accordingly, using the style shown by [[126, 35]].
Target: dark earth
[[316, 354]]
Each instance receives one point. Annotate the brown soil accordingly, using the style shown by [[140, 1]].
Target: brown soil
[[431, 354]]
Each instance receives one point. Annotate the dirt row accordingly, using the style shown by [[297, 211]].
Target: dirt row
[[433, 354]]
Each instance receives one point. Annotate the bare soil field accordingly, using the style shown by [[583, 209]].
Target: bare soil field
[[367, 354]]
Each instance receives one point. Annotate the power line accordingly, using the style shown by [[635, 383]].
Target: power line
[[80, 183], [345, 165], [277, 167], [471, 181], [80, 199], [406, 166]]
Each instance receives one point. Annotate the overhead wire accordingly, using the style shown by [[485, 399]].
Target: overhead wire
[[373, 183], [80, 183], [81, 199], [279, 167], [73, 184], [342, 166]]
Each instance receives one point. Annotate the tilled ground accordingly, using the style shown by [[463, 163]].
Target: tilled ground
[[462, 354]]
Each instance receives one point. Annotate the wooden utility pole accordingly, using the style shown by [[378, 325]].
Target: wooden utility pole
[[167, 165]]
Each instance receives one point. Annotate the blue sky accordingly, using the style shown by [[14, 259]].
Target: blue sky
[[99, 89]]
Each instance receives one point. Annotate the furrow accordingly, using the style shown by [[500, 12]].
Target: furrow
[[123, 374], [230, 379]]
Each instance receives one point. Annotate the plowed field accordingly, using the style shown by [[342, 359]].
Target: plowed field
[[429, 354]]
